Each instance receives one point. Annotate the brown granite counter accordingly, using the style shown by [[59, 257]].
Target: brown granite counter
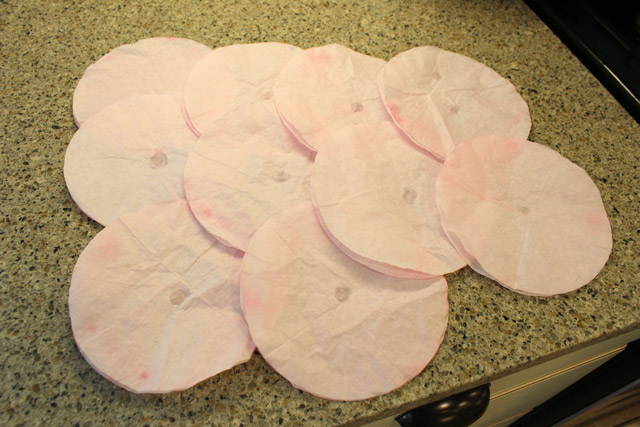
[[45, 46]]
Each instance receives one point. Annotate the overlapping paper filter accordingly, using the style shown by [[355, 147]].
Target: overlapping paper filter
[[154, 301], [159, 64], [375, 195], [129, 154], [523, 215], [232, 77], [330, 325], [440, 98], [247, 168], [325, 87], [345, 250]]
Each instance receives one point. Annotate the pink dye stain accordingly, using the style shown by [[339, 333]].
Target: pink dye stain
[[250, 302], [225, 221], [91, 328], [206, 212], [186, 184], [144, 375], [320, 57], [171, 38], [516, 118], [597, 220], [509, 150], [395, 112], [110, 249]]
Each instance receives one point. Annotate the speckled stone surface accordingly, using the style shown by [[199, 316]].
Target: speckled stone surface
[[45, 46]]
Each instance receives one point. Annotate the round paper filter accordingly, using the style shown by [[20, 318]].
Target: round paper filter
[[232, 77], [331, 326], [524, 215], [243, 172], [374, 192], [155, 302], [155, 65], [131, 153], [325, 87], [440, 98]]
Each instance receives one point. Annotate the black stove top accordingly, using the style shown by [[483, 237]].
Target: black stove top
[[605, 36]]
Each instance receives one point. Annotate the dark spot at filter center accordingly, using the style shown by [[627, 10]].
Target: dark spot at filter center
[[158, 159], [342, 293], [357, 107], [266, 95], [409, 195], [437, 76], [177, 296], [524, 209]]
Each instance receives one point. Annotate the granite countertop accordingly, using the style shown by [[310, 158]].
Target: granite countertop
[[45, 46]]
